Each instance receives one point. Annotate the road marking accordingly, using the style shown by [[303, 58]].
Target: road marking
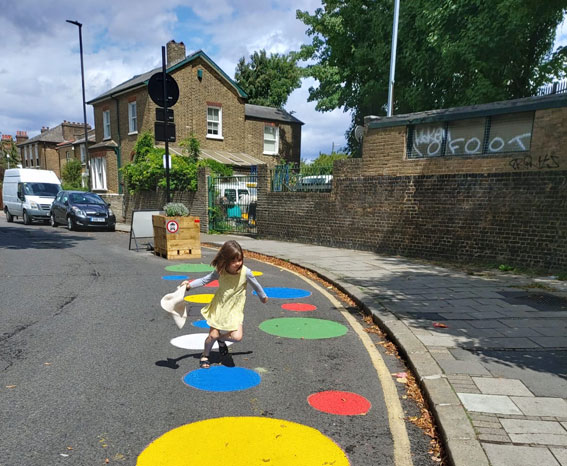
[[402, 448]]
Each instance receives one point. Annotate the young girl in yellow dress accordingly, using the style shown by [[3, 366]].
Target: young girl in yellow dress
[[225, 313]]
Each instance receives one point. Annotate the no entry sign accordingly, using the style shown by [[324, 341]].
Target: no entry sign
[[172, 226]]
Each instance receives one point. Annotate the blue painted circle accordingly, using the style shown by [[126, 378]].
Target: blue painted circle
[[285, 293], [175, 277], [200, 324], [222, 379]]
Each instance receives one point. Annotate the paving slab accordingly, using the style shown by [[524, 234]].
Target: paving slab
[[498, 386], [496, 404], [521, 426], [514, 455], [539, 406], [462, 367], [561, 455]]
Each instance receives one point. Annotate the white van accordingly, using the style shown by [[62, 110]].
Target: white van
[[28, 193]]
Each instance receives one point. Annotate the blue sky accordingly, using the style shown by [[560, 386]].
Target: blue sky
[[40, 81]]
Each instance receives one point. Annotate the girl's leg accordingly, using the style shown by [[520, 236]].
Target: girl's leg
[[209, 342], [233, 336]]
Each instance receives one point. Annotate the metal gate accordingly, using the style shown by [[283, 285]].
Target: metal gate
[[232, 204]]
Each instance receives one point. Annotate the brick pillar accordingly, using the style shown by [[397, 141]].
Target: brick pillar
[[200, 206], [264, 187]]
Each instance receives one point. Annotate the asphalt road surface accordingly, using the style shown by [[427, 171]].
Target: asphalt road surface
[[89, 374]]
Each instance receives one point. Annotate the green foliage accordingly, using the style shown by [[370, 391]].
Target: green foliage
[[322, 165], [71, 176], [191, 147], [268, 80], [9, 155], [144, 146], [450, 53], [176, 209], [218, 169], [505, 268]]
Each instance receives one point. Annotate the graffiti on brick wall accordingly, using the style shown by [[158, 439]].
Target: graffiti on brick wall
[[542, 162], [428, 142]]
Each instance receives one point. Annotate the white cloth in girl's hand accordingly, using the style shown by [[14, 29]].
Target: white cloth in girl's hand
[[175, 304]]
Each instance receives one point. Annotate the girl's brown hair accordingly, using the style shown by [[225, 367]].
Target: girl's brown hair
[[227, 253]]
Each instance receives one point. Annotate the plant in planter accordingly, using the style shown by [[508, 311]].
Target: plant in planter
[[176, 234]]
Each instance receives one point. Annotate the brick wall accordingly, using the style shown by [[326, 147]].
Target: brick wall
[[483, 208]]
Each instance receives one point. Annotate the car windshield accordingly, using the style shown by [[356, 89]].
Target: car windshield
[[41, 189], [85, 198]]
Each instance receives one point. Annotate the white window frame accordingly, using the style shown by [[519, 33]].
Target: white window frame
[[98, 173], [83, 154], [276, 140], [106, 124], [36, 155], [67, 155], [132, 118], [29, 155], [219, 123]]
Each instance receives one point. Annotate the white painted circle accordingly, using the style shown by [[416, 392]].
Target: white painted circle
[[193, 341], [172, 226]]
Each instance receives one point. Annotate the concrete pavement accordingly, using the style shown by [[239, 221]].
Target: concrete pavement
[[490, 351]]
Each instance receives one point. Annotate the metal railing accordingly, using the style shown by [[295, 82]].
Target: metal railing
[[553, 88], [304, 178]]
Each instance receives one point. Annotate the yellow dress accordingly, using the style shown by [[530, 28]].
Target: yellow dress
[[226, 310]]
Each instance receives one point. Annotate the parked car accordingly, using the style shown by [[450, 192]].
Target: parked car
[[79, 209], [28, 193]]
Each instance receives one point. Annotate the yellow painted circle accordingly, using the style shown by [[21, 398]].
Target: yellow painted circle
[[199, 298], [256, 273], [243, 441]]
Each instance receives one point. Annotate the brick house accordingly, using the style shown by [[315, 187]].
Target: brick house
[[75, 149], [41, 151], [211, 106]]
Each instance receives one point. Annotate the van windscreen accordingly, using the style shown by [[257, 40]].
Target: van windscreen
[[41, 189]]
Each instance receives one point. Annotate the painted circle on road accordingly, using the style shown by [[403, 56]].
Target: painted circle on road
[[273, 442], [222, 379], [200, 324], [199, 298], [285, 293], [342, 403], [190, 268], [193, 341], [301, 327], [255, 273], [175, 277], [299, 307], [213, 284]]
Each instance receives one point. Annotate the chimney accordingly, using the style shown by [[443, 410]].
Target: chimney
[[6, 137], [175, 52], [44, 129], [21, 136]]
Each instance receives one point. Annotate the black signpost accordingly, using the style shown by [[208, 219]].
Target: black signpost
[[164, 92]]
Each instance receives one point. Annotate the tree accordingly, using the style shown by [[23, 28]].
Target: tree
[[268, 80], [71, 176], [450, 53], [9, 154]]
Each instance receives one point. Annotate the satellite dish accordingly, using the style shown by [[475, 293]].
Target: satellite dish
[[359, 132]]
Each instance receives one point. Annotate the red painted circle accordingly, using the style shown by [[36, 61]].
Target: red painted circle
[[213, 284], [343, 403], [298, 307]]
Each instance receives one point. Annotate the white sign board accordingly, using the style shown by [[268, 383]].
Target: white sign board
[[142, 226]]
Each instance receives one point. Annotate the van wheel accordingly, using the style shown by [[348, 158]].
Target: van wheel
[[9, 216], [70, 224], [27, 218], [52, 221]]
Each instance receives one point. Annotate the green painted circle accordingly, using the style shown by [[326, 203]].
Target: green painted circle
[[301, 327], [190, 268]]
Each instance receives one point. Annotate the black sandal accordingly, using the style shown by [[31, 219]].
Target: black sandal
[[204, 362], [223, 348]]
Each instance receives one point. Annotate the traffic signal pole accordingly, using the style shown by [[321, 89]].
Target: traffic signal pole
[[167, 195]]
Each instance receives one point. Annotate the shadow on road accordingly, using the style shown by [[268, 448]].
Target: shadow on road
[[214, 358], [32, 238]]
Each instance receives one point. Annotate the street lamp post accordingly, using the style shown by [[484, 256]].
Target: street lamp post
[[76, 23], [393, 58]]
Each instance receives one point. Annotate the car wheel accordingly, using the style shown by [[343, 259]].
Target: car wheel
[[9, 216], [70, 224], [112, 228], [53, 222], [27, 218]]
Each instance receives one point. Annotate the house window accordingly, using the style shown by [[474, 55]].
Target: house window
[[214, 122], [271, 139], [36, 155], [68, 155], [83, 154], [132, 118], [106, 124], [471, 137], [98, 173], [29, 155]]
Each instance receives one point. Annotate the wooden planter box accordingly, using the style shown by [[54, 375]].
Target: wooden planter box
[[177, 237]]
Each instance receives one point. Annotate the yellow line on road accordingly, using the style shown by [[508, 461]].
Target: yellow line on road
[[402, 449]]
